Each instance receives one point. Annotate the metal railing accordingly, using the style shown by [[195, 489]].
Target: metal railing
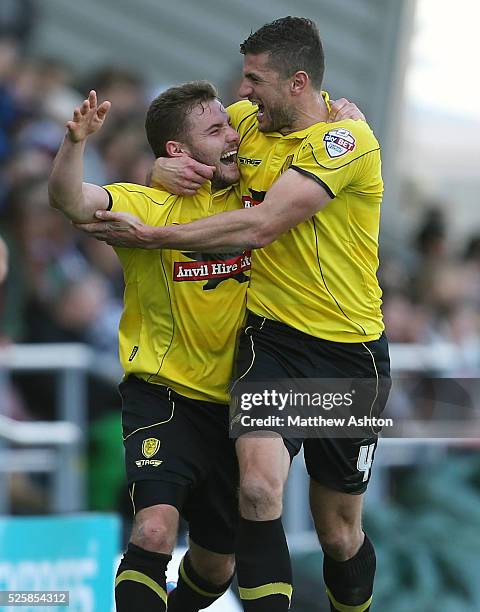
[[392, 452], [56, 448]]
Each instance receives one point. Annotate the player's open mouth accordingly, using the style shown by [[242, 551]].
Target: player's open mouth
[[230, 157], [260, 110]]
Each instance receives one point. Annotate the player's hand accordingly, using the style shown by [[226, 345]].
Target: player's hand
[[180, 175], [344, 109], [87, 118], [118, 229]]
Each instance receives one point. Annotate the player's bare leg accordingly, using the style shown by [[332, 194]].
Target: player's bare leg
[[262, 556], [155, 528], [204, 576], [212, 566], [140, 582], [349, 557]]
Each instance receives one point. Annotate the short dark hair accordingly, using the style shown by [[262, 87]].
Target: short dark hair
[[167, 116], [293, 44]]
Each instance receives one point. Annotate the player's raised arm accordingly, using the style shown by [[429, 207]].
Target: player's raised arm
[[68, 193]]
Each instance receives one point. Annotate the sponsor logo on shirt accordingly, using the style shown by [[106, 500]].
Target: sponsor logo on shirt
[[248, 161], [338, 142], [255, 198], [213, 268]]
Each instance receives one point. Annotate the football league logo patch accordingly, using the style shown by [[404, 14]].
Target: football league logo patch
[[150, 447], [338, 142]]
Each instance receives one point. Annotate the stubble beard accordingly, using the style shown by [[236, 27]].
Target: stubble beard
[[281, 117]]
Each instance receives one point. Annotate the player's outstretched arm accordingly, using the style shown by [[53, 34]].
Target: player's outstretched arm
[[67, 191], [293, 198]]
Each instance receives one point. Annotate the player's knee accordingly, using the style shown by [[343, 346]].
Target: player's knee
[[262, 494], [153, 533], [340, 541]]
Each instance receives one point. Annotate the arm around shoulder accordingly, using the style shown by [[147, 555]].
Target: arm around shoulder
[[294, 198]]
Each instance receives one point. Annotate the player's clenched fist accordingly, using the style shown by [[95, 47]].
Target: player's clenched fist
[[87, 119]]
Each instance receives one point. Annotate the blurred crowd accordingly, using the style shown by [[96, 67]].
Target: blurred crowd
[[62, 286], [431, 290], [65, 287]]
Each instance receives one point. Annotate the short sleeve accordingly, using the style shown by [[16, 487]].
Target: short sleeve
[[135, 199], [330, 154]]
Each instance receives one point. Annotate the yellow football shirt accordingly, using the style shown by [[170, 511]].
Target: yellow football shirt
[[182, 310], [319, 277]]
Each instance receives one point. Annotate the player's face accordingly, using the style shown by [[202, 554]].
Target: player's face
[[213, 141], [263, 86]]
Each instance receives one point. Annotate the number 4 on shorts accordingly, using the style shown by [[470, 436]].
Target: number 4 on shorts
[[365, 460]]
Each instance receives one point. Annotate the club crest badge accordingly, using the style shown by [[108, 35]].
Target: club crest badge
[[338, 142], [150, 447]]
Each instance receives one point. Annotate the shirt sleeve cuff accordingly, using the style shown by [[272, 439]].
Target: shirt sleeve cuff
[[315, 178], [110, 200]]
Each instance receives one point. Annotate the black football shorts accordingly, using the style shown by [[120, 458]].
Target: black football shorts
[[270, 350], [177, 452]]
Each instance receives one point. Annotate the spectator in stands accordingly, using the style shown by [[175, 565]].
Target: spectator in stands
[[17, 18], [3, 260]]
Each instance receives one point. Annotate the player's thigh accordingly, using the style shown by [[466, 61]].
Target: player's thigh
[[341, 464], [212, 506], [366, 365], [165, 454], [331, 509], [345, 464], [261, 452], [266, 352], [264, 457]]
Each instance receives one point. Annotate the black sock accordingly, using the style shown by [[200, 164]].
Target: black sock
[[350, 583], [263, 566], [193, 592], [140, 581]]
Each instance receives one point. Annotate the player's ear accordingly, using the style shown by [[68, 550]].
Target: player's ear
[[175, 148], [299, 82]]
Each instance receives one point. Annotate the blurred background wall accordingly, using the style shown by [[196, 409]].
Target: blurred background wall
[[365, 44], [170, 42]]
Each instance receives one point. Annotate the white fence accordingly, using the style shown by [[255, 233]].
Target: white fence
[[58, 448]]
